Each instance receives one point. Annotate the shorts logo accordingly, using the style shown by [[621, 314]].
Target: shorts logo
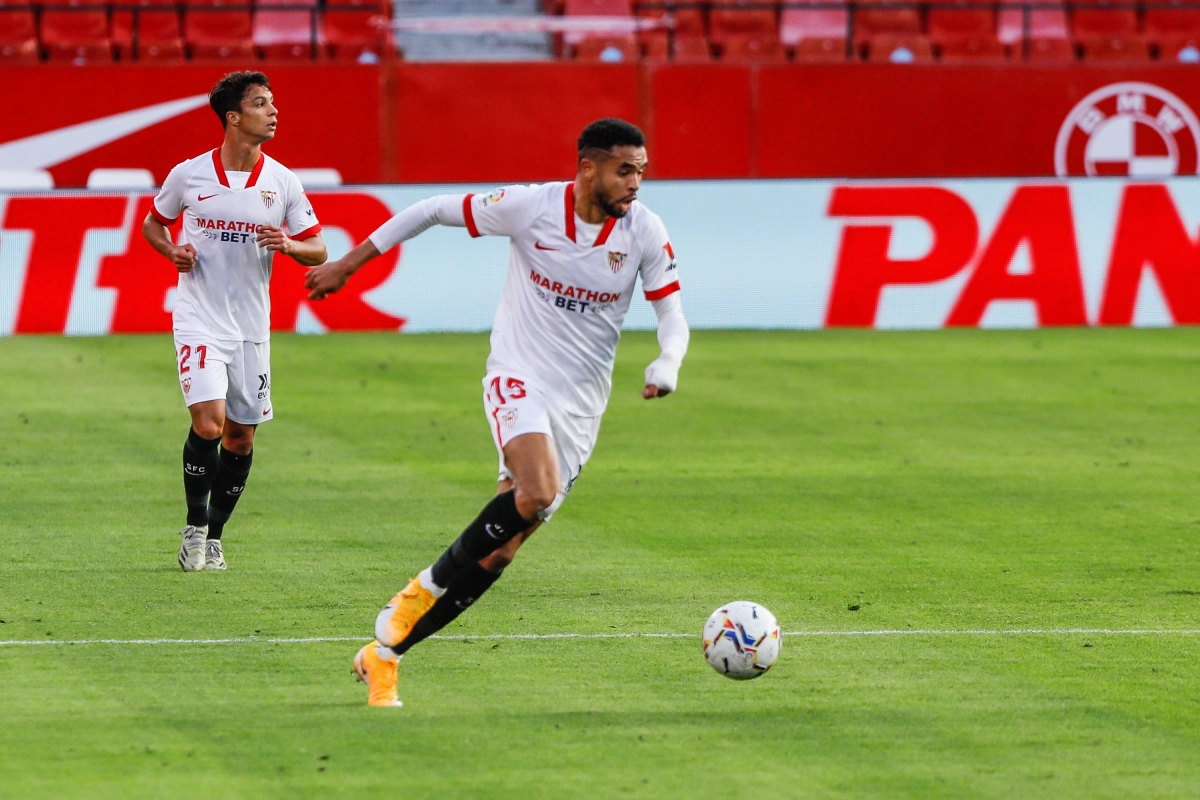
[[268, 198], [1129, 129], [495, 197], [508, 418], [616, 261], [187, 385], [264, 386]]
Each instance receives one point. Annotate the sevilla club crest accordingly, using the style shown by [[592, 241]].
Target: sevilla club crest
[[616, 261], [268, 198]]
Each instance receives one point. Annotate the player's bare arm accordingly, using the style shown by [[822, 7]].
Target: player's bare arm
[[331, 276], [309, 252], [182, 256]]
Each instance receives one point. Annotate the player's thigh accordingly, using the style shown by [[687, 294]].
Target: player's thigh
[[532, 460], [202, 367], [248, 400]]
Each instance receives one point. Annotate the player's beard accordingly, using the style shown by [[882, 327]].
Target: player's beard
[[610, 208]]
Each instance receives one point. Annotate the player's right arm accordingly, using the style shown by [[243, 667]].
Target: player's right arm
[[166, 208], [479, 214]]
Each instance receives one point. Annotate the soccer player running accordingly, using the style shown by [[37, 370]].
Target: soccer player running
[[235, 202], [577, 250]]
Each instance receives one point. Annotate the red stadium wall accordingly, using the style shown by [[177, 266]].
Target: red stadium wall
[[516, 122]]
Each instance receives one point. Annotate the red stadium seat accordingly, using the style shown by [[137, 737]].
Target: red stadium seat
[[599, 8], [219, 34], [1050, 50], [1115, 47], [78, 34], [691, 48], [875, 17], [1096, 18], [292, 34], [727, 20], [356, 35], [155, 27], [753, 48], [1181, 49], [1049, 39], [373, 4], [1161, 24], [899, 49], [815, 34], [18, 38], [964, 33], [609, 49], [689, 23]]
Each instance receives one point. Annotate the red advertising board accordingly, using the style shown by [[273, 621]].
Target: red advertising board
[[495, 123]]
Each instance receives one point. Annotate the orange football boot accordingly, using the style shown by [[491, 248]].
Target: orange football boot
[[379, 675], [399, 616]]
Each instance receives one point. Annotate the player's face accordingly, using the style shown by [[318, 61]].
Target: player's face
[[617, 179], [258, 115]]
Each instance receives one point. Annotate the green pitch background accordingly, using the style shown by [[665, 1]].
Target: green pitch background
[[852, 481]]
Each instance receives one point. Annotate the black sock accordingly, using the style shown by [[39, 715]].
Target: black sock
[[466, 587], [199, 470], [492, 529], [227, 488]]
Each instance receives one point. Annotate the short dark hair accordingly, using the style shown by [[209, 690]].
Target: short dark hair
[[228, 93], [605, 134]]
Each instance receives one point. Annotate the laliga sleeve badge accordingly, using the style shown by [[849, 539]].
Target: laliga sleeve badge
[[495, 197], [1128, 129]]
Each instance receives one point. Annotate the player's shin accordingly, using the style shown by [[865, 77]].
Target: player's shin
[[227, 488], [200, 467], [495, 526], [466, 587]]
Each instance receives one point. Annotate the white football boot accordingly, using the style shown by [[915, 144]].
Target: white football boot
[[191, 549], [214, 555]]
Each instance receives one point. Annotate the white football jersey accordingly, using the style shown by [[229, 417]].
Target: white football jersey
[[227, 297], [568, 287]]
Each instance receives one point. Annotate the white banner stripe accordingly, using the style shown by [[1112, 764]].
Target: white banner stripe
[[519, 636]]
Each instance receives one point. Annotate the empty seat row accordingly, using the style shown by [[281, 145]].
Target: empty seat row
[[898, 31], [160, 31]]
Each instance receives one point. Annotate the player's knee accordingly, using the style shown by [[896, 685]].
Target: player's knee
[[534, 499], [207, 428], [238, 441]]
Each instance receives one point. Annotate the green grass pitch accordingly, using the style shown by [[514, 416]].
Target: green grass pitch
[[849, 481]]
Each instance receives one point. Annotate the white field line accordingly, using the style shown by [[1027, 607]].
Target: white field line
[[905, 632]]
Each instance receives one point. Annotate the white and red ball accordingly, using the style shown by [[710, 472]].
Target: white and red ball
[[742, 640]]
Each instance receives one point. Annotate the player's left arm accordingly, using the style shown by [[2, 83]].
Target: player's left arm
[[305, 245], [660, 281], [307, 250]]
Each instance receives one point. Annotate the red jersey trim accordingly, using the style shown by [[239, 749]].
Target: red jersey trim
[[216, 155], [254, 173], [158, 215], [570, 204], [670, 252], [308, 233], [469, 217], [659, 294], [609, 224]]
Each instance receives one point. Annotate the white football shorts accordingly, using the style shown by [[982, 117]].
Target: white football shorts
[[515, 405], [237, 372]]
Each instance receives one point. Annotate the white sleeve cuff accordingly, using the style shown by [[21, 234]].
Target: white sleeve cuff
[[442, 209]]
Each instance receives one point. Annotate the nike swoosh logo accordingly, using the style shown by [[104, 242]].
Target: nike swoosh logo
[[202, 198], [538, 245], [44, 150], [268, 411]]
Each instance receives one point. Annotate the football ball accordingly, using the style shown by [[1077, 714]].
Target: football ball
[[741, 640]]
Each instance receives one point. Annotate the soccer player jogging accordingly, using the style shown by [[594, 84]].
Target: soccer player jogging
[[577, 250], [235, 202]]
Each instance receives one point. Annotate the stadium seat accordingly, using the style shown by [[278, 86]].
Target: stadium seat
[[656, 43], [356, 35], [1115, 47], [875, 17], [727, 21], [1049, 39], [753, 48], [18, 37], [899, 49], [691, 48], [155, 27], [291, 34], [1162, 25], [79, 34], [608, 49], [815, 34], [963, 33], [1180, 49], [218, 33], [1097, 18]]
